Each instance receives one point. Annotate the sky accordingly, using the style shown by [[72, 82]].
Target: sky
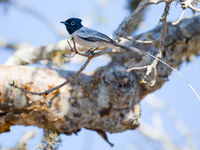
[[104, 16]]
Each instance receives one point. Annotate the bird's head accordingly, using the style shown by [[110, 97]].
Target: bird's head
[[72, 24]]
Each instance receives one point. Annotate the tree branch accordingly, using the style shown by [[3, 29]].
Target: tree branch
[[32, 54], [107, 100], [130, 23]]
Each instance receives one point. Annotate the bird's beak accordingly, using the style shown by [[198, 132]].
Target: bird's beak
[[64, 22]]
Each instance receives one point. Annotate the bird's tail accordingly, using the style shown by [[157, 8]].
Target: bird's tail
[[134, 49]]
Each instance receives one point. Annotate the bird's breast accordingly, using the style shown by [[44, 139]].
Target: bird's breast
[[89, 44]]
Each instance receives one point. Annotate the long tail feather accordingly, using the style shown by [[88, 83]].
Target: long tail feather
[[163, 62]]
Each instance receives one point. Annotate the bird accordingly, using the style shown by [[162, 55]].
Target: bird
[[94, 40], [89, 38]]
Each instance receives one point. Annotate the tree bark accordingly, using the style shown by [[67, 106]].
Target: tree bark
[[108, 100]]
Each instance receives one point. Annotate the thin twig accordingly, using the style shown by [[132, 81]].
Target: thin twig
[[138, 41], [160, 44], [192, 7], [128, 24], [76, 51], [70, 46], [136, 68], [95, 54], [162, 39], [189, 4], [58, 86], [180, 18]]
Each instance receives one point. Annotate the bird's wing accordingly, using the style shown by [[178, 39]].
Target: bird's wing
[[92, 35]]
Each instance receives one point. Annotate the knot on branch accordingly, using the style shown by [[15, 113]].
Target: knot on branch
[[119, 80]]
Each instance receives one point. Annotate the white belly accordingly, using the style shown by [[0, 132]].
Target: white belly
[[91, 45]]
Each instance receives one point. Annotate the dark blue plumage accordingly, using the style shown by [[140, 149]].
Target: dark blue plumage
[[87, 37], [72, 24]]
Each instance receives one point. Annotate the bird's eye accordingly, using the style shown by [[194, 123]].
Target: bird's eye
[[72, 23]]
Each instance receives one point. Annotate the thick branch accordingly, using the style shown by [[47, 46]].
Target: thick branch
[[26, 56], [105, 101], [32, 55]]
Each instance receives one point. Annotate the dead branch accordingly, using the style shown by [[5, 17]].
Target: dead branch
[[32, 54], [160, 45], [107, 100], [130, 23]]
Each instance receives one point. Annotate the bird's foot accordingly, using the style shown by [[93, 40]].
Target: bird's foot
[[91, 51]]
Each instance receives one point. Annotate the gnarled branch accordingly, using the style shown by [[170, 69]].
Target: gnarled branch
[[107, 100]]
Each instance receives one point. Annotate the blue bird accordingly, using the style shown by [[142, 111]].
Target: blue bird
[[94, 40], [87, 37]]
